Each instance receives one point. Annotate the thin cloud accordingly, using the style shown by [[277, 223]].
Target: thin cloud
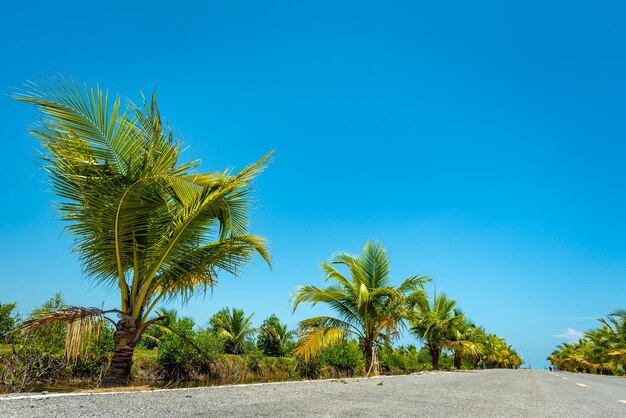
[[571, 335]]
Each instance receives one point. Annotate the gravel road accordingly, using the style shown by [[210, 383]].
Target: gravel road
[[488, 393]]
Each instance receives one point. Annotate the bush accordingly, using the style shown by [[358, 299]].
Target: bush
[[8, 319], [403, 359], [344, 359], [180, 359], [39, 356], [274, 339]]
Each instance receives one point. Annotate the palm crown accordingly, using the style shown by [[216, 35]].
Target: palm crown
[[233, 326], [436, 322]]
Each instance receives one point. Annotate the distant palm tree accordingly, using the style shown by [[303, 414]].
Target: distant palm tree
[[464, 343], [273, 337], [234, 327], [143, 222], [436, 322], [367, 305], [497, 353]]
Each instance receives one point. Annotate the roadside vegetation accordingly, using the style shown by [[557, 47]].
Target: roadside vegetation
[[601, 350], [185, 351], [158, 230]]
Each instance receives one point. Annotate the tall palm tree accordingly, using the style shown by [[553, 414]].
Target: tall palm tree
[[233, 326], [143, 222], [368, 307], [436, 322]]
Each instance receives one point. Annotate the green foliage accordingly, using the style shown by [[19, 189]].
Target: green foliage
[[274, 340], [403, 359], [152, 337], [365, 303], [143, 221], [180, 359], [235, 328], [96, 360], [436, 322], [8, 319], [601, 350], [345, 359]]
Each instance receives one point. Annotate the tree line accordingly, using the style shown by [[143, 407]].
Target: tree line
[[601, 350]]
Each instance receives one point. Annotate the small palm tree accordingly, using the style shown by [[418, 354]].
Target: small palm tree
[[368, 307], [273, 337], [234, 327], [436, 323], [143, 222]]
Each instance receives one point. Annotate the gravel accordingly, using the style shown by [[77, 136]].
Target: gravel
[[482, 393]]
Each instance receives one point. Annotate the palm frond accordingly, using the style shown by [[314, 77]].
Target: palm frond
[[313, 341]]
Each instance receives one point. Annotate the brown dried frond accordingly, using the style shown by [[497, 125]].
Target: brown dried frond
[[84, 327], [65, 314]]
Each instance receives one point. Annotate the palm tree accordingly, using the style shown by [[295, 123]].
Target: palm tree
[[368, 307], [464, 343], [273, 337], [233, 326], [143, 222], [436, 323], [498, 354]]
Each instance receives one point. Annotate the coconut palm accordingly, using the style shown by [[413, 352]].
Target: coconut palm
[[498, 354], [436, 321], [273, 337], [464, 342], [366, 303], [143, 222], [234, 327]]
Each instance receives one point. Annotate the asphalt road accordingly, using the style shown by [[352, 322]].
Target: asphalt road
[[488, 393]]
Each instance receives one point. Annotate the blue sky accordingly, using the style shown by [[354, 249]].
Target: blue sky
[[482, 143]]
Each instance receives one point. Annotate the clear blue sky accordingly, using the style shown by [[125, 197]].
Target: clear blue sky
[[481, 142]]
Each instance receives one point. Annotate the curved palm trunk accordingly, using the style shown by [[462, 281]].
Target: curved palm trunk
[[118, 373]]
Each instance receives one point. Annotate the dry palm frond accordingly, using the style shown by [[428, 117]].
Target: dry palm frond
[[84, 326]]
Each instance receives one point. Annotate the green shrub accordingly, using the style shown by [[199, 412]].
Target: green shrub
[[180, 359], [344, 359], [8, 319], [403, 359]]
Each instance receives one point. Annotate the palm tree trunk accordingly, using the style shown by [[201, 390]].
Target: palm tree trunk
[[369, 357], [457, 360], [118, 373], [435, 352]]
